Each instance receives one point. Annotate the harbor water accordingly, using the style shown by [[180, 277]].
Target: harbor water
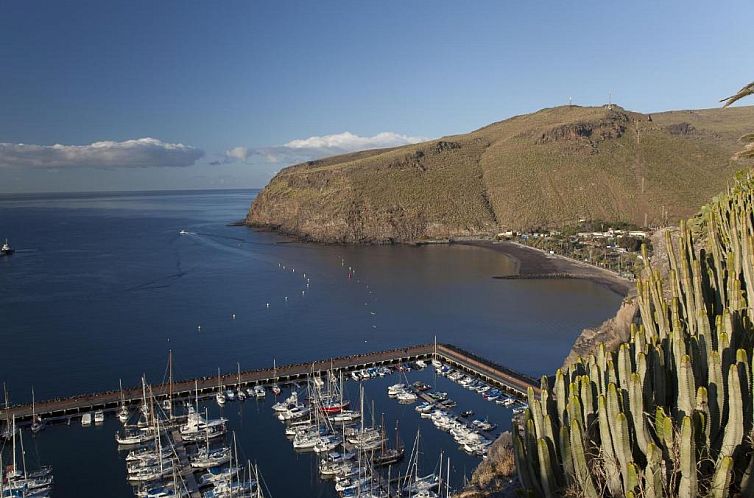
[[102, 286]]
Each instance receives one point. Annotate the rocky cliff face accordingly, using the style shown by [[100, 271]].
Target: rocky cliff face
[[543, 169], [432, 190]]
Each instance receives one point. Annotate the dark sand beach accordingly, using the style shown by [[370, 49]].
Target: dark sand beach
[[537, 264]]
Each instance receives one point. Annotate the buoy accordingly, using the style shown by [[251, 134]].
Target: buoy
[[199, 327], [302, 293], [294, 270], [268, 305], [286, 298], [307, 286], [234, 316]]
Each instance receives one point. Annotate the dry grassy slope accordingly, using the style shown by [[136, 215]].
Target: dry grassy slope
[[542, 169]]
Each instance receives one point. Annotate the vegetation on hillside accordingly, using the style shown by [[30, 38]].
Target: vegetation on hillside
[[550, 168], [670, 412]]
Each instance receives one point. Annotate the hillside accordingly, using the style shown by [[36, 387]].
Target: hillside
[[544, 169]]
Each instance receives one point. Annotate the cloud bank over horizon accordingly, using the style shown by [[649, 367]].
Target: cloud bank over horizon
[[137, 153], [316, 147]]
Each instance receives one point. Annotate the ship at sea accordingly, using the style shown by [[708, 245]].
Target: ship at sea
[[6, 250]]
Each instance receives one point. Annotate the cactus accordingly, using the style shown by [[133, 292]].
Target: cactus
[[733, 432], [688, 487], [547, 476], [582, 476], [671, 410], [720, 486]]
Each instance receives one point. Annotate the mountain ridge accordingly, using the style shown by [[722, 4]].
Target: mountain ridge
[[544, 169]]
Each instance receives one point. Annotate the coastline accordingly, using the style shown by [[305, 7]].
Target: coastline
[[532, 263]]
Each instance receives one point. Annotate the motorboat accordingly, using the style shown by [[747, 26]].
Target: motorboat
[[86, 419], [6, 249]]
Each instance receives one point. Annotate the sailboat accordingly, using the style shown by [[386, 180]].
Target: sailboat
[[123, 412], [241, 393], [387, 455], [36, 422], [413, 484], [167, 404], [220, 396], [21, 482], [206, 458], [7, 432], [275, 387]]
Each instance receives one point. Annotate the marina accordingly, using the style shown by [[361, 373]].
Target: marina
[[57, 410], [167, 455]]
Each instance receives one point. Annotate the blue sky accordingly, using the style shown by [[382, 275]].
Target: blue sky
[[189, 94]]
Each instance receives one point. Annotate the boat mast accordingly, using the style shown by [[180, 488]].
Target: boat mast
[[14, 444], [33, 412], [447, 481], [144, 407], [5, 396], [170, 382], [23, 453]]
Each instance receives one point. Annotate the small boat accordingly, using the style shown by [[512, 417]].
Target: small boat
[[220, 396], [36, 421], [406, 397], [86, 419], [206, 459], [259, 392], [276, 390], [184, 232], [99, 417], [6, 250], [132, 437]]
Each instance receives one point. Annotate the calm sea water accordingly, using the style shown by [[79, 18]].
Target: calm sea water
[[103, 285]]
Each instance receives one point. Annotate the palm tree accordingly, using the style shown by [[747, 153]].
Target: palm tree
[[747, 90], [748, 139]]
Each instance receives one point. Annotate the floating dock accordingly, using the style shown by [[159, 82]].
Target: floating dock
[[510, 381]]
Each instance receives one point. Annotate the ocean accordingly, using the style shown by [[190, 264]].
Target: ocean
[[103, 285]]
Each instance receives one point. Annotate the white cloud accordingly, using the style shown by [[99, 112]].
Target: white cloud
[[347, 141], [238, 153], [316, 147], [138, 153]]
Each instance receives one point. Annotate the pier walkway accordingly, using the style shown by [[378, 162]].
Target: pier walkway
[[513, 383]]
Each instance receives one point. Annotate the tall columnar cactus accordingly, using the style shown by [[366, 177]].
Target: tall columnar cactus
[[670, 412]]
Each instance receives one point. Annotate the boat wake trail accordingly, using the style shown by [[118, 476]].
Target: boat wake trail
[[158, 283]]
